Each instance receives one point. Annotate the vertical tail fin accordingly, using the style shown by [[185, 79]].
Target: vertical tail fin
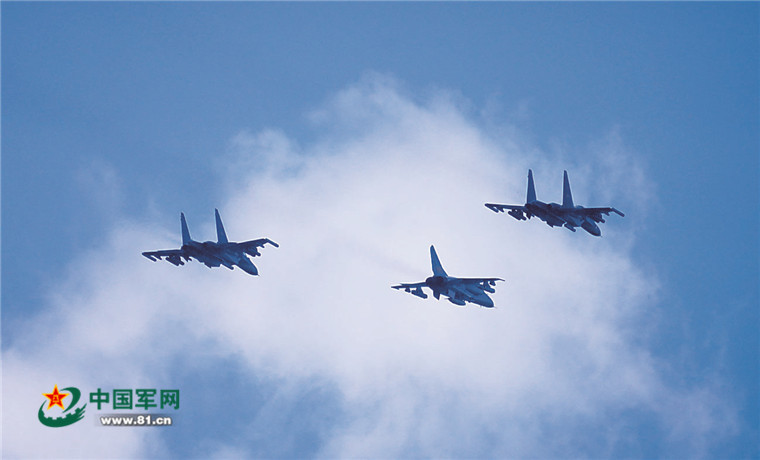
[[531, 188], [567, 195], [185, 232], [221, 236], [437, 268]]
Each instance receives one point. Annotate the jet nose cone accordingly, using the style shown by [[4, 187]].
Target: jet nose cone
[[592, 228], [486, 301], [250, 269]]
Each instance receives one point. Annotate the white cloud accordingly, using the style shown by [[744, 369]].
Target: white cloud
[[101, 185], [354, 212]]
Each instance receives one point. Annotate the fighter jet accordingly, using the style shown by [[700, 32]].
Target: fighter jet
[[566, 214], [458, 290], [212, 254]]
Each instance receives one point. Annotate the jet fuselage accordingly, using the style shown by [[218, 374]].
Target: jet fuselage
[[555, 215], [458, 292], [567, 214], [213, 254]]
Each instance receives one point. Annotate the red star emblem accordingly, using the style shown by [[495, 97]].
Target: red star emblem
[[56, 398]]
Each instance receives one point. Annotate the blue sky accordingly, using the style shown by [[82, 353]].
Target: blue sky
[[116, 117]]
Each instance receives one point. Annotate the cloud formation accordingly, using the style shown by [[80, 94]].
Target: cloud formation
[[558, 369]]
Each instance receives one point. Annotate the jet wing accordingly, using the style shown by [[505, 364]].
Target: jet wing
[[502, 207], [484, 284], [250, 247], [412, 288], [518, 212], [409, 285], [596, 213], [173, 256], [491, 281], [605, 211]]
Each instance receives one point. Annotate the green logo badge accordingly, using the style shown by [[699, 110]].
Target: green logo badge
[[56, 399]]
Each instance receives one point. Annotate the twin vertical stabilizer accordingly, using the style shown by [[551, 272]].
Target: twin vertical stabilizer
[[567, 195], [531, 188], [185, 232], [221, 236]]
